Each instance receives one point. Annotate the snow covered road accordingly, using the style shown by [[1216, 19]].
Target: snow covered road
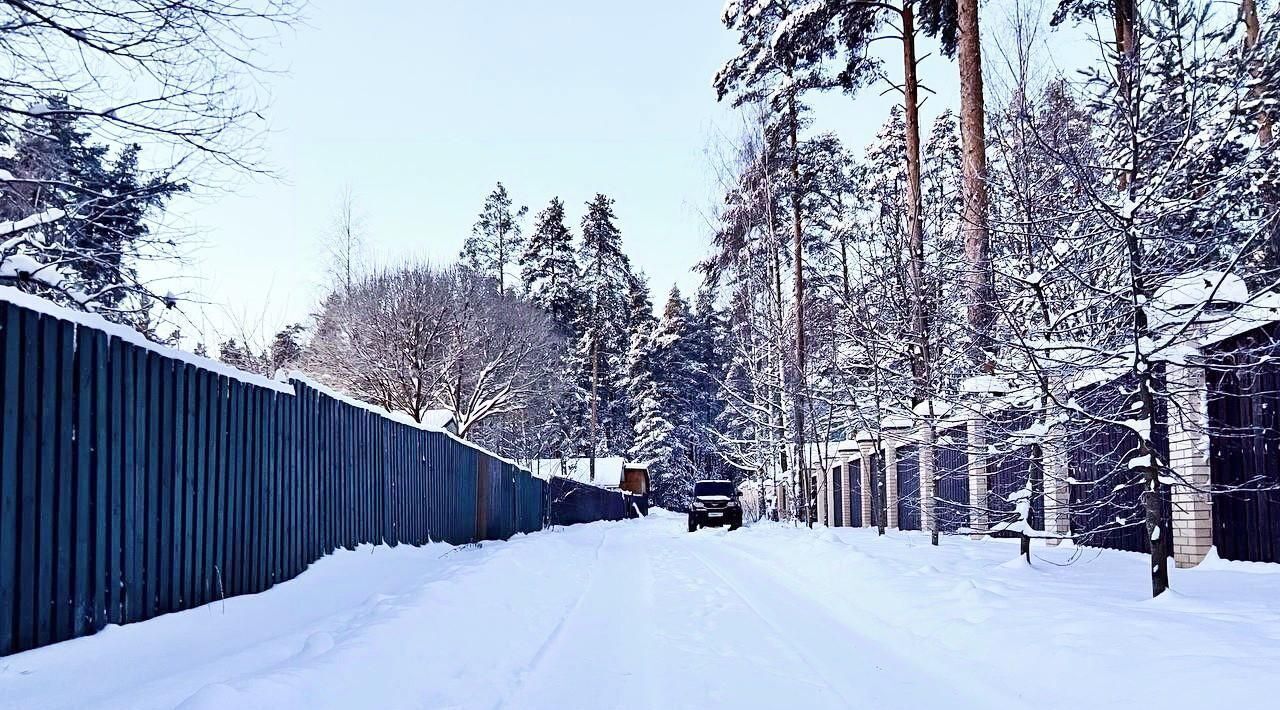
[[640, 614]]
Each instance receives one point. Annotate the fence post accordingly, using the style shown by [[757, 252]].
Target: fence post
[[891, 483], [977, 447], [866, 449], [1189, 459], [1057, 492], [928, 461]]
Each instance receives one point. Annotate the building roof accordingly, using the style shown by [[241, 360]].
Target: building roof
[[437, 418], [608, 469]]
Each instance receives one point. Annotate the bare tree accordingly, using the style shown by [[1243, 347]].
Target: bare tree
[[344, 243], [415, 338]]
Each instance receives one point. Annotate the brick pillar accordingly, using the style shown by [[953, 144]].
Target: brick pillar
[[865, 460], [1189, 459], [1057, 492], [846, 495], [977, 474], [927, 460], [891, 484]]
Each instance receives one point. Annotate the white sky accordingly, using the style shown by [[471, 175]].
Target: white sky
[[421, 106]]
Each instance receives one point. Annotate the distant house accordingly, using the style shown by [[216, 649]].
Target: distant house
[[611, 472], [440, 419]]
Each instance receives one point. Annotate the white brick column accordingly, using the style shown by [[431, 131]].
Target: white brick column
[[846, 495], [865, 461], [891, 484], [1189, 459], [1057, 492], [977, 473], [927, 461]]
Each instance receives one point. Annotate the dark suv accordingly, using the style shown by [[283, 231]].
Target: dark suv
[[715, 503]]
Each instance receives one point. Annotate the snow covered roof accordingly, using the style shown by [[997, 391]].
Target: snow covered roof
[[608, 469], [1196, 288], [1262, 309], [437, 418]]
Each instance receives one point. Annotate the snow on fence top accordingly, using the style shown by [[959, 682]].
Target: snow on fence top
[[126, 334], [282, 383]]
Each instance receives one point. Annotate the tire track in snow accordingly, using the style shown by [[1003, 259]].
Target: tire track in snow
[[535, 662], [779, 631], [893, 679]]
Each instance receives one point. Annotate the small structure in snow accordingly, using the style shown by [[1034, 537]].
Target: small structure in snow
[[611, 472], [441, 419]]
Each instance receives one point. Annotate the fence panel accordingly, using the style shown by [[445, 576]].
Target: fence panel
[[951, 476], [1106, 495], [1013, 469], [837, 498], [573, 502], [908, 463], [1244, 393]]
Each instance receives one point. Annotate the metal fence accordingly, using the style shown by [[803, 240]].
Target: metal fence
[[1106, 493], [135, 483], [1244, 405], [572, 502], [951, 479]]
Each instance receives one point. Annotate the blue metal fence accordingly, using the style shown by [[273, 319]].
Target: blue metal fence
[[837, 498], [133, 483], [951, 474], [1106, 494], [1012, 467], [908, 458], [1244, 406], [572, 502]]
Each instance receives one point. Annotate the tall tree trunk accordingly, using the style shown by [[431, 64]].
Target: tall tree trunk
[[973, 140], [1252, 29], [1124, 15], [595, 399], [1153, 492], [915, 230], [797, 243]]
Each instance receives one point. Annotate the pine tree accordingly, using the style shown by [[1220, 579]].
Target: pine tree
[[496, 238], [110, 205], [286, 348], [600, 354], [665, 423], [549, 269]]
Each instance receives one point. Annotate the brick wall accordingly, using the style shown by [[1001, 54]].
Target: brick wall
[[1189, 459]]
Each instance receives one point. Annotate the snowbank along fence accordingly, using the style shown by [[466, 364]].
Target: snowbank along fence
[[1217, 426], [136, 481]]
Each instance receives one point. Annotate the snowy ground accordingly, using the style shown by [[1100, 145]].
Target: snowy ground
[[643, 614]]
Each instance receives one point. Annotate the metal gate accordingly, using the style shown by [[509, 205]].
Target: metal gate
[[837, 505], [951, 473], [909, 488], [855, 493], [1011, 469], [1105, 494], [1245, 449]]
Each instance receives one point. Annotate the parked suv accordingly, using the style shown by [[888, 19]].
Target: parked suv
[[715, 503]]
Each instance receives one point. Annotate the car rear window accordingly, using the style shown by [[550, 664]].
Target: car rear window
[[713, 488]]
